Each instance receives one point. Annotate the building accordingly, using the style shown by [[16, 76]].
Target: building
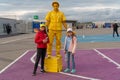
[[36, 23], [16, 26], [21, 26], [71, 23]]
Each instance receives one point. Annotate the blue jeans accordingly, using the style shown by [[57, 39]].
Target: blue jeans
[[68, 56]]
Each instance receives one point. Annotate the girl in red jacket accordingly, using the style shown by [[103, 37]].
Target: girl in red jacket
[[41, 39]]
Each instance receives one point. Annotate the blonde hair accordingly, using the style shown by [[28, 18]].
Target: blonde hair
[[73, 35]]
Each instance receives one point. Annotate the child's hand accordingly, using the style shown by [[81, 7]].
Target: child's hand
[[73, 53], [64, 52], [44, 41], [46, 38]]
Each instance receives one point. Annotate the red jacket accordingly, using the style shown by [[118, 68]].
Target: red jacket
[[39, 37]]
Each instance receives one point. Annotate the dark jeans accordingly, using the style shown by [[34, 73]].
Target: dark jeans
[[41, 52], [70, 55], [115, 31]]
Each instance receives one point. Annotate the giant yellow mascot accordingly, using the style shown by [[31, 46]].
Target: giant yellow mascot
[[54, 21]]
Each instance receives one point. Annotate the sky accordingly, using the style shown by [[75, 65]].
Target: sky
[[81, 10]]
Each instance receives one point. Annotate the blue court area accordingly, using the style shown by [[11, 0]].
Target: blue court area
[[96, 38]]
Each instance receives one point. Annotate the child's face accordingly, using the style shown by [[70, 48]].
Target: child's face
[[69, 33], [42, 28]]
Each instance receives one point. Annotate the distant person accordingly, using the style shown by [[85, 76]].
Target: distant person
[[70, 47], [41, 39], [54, 21], [8, 29], [115, 29]]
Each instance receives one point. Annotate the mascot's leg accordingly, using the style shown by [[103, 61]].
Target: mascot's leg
[[51, 35], [58, 43]]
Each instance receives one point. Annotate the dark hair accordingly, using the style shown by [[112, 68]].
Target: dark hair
[[45, 32], [73, 35], [55, 3]]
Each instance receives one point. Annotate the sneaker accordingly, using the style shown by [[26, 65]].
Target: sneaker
[[34, 74], [59, 56], [73, 71], [42, 70], [67, 70]]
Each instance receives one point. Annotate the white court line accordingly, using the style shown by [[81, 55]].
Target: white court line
[[13, 62], [32, 59], [68, 74], [104, 56]]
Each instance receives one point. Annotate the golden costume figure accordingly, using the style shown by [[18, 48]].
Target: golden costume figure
[[54, 20]]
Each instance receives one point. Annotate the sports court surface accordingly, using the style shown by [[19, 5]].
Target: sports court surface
[[91, 64], [94, 64]]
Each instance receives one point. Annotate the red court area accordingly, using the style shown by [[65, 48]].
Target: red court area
[[94, 64]]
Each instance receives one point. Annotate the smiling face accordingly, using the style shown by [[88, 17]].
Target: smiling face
[[69, 33], [42, 28]]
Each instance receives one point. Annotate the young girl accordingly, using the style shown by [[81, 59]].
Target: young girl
[[41, 39], [69, 47]]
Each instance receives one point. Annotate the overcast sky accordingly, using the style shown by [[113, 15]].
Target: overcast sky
[[81, 10]]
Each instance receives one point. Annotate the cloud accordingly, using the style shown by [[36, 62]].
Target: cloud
[[81, 10], [5, 4]]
